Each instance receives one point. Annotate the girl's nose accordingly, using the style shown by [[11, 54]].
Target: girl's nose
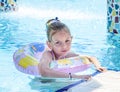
[[64, 45]]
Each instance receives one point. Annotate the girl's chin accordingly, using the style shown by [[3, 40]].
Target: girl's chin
[[64, 53]]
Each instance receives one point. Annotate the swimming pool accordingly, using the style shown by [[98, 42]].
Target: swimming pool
[[28, 25]]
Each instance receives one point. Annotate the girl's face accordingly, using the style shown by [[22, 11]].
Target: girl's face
[[60, 43]]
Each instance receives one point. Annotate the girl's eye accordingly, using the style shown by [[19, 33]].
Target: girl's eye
[[68, 41], [57, 43]]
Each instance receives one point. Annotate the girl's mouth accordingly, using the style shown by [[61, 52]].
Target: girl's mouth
[[64, 51]]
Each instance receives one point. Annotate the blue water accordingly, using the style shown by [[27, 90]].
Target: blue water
[[86, 20]]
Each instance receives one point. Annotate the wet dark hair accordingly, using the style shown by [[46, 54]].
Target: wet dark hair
[[53, 26]]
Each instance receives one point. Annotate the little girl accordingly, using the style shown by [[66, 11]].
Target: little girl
[[59, 43]]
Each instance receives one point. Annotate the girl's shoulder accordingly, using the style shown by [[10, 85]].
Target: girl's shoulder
[[47, 53]]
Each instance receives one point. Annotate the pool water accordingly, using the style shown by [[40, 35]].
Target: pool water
[[88, 27]]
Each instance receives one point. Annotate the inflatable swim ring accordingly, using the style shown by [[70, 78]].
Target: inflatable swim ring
[[27, 58]]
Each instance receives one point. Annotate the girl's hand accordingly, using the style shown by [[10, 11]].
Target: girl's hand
[[85, 77], [101, 69]]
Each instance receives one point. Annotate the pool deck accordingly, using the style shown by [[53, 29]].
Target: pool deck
[[103, 82]]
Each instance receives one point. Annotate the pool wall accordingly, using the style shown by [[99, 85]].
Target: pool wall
[[113, 17], [8, 5]]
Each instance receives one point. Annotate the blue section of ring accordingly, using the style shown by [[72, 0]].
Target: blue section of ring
[[81, 81]]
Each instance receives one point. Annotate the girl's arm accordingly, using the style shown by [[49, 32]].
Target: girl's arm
[[97, 64], [46, 71]]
